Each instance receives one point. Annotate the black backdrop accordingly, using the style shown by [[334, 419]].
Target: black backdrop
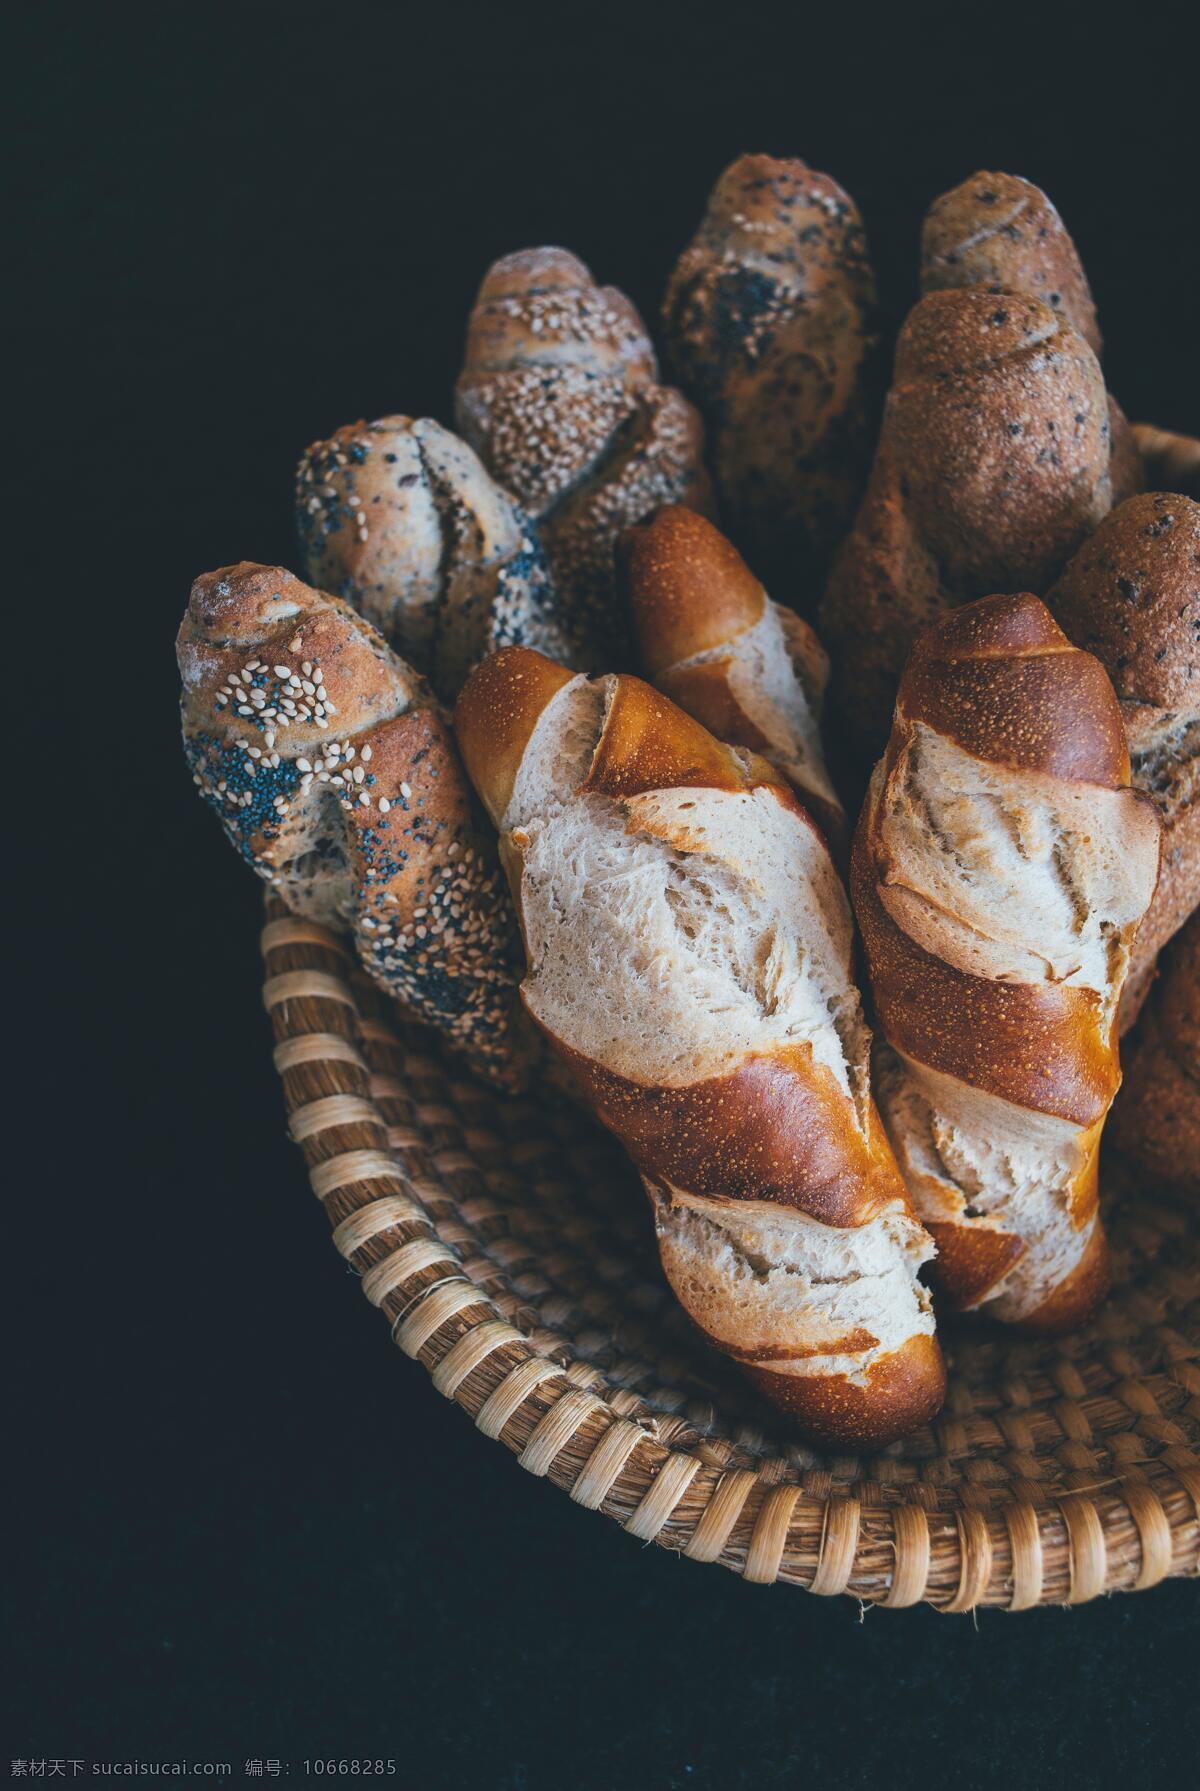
[[240, 227]]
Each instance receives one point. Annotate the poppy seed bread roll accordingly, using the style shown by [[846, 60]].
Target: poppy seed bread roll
[[709, 637], [559, 395], [1001, 866], [688, 945], [335, 775], [770, 321], [991, 469], [402, 520]]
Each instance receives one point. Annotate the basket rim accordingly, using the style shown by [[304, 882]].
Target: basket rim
[[1126, 1531]]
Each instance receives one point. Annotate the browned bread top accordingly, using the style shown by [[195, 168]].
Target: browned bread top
[[997, 230], [695, 591]]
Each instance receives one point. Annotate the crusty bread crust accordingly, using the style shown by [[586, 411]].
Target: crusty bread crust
[[1156, 1116], [660, 878], [711, 639], [559, 395], [770, 325], [992, 467], [335, 775], [1000, 1083], [1131, 596]]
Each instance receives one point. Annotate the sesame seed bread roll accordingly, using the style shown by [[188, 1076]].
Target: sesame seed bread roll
[[993, 465], [559, 395], [1131, 596], [1156, 1116], [1001, 867], [709, 637], [335, 775], [770, 322], [688, 945], [402, 520]]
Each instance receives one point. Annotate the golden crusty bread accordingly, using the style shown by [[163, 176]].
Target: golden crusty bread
[[1131, 596], [689, 959], [770, 327], [402, 520], [335, 775], [559, 394], [709, 637], [1001, 866], [992, 467], [1156, 1117]]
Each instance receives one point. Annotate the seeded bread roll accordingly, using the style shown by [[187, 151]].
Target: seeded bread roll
[[559, 394], [1156, 1116], [1001, 233], [689, 947], [401, 519], [709, 637], [771, 328], [335, 775], [1000, 870], [1170, 462], [992, 467], [1131, 596]]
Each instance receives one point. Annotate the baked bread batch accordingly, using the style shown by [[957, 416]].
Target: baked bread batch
[[536, 736]]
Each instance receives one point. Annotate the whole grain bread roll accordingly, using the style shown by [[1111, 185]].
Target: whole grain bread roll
[[1131, 596], [770, 321], [1001, 233], [992, 467], [709, 637], [1001, 867], [689, 958], [335, 775], [559, 394], [402, 520], [1156, 1117]]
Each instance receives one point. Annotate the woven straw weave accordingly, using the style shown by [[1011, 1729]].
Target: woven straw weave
[[508, 1245]]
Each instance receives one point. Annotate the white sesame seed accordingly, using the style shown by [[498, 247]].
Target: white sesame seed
[[283, 671], [303, 765], [406, 791], [306, 668], [366, 752], [384, 805]]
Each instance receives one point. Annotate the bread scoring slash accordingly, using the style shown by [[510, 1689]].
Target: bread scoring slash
[[688, 950]]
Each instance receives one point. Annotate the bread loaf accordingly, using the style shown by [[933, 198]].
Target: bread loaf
[[992, 467], [335, 775], [709, 637], [1156, 1116], [402, 520], [1170, 462], [1000, 869], [1001, 233], [771, 329], [559, 394], [688, 945], [1131, 596]]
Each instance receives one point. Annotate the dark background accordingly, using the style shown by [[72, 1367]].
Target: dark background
[[240, 227]]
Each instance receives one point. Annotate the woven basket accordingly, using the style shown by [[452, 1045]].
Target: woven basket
[[508, 1244]]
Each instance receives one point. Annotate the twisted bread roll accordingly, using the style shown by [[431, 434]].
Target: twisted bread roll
[[770, 323], [992, 467], [1131, 596], [1171, 462], [710, 638], [1156, 1116], [559, 394], [688, 947], [1000, 869], [1001, 233], [336, 777], [401, 519]]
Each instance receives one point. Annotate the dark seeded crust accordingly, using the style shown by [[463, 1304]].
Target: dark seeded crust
[[1155, 1123], [770, 324], [902, 1391], [992, 467]]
